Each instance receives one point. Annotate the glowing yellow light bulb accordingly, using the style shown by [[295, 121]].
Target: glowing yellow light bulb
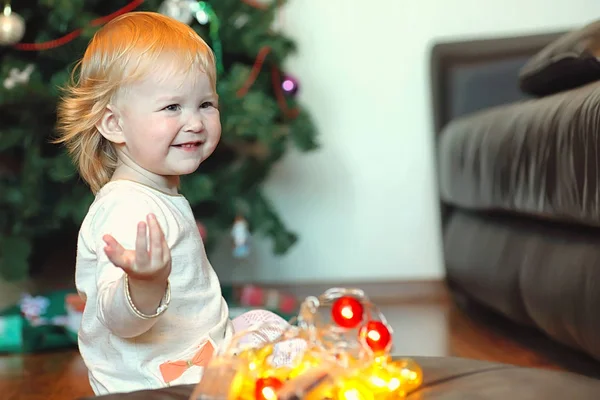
[[282, 373], [308, 361], [354, 389], [323, 391], [382, 359], [382, 379], [411, 374], [242, 387], [393, 384]]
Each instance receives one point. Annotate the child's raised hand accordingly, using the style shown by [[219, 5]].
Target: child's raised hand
[[141, 264]]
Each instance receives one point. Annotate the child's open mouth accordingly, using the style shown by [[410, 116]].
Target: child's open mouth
[[188, 146]]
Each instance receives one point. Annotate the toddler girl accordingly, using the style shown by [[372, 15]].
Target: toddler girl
[[142, 112]]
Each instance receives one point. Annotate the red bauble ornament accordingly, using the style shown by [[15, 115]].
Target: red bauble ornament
[[202, 230], [266, 388], [347, 312], [377, 336]]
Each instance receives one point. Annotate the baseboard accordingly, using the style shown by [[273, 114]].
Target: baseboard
[[380, 292]]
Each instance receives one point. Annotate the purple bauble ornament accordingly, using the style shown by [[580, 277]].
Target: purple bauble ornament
[[289, 85]]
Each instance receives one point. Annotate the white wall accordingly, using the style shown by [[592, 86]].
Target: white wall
[[365, 205]]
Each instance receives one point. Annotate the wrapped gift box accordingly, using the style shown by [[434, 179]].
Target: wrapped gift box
[[51, 320], [38, 323]]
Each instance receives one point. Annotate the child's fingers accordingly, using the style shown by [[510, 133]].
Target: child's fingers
[[152, 217], [166, 252], [127, 267], [156, 239], [112, 246], [115, 252], [141, 247], [110, 241]]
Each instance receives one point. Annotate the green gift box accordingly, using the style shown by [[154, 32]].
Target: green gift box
[[51, 321], [38, 323]]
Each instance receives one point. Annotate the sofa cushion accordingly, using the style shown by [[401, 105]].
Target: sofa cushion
[[541, 274], [566, 63], [536, 157], [456, 378]]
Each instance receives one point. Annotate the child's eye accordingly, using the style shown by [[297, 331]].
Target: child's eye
[[207, 104], [172, 107]]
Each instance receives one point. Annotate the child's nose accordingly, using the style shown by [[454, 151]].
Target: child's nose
[[195, 123]]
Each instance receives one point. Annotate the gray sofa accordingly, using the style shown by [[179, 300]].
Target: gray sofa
[[517, 125]]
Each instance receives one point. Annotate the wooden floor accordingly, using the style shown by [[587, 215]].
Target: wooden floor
[[425, 323]]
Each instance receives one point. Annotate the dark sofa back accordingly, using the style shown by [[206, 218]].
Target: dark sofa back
[[468, 76]]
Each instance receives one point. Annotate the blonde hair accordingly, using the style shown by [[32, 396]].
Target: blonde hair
[[123, 51]]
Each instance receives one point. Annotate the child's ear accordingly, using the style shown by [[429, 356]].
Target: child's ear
[[109, 126]]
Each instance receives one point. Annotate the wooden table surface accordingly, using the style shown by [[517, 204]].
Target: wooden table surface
[[59, 375]]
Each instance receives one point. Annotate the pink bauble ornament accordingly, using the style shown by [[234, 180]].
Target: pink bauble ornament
[[290, 85]]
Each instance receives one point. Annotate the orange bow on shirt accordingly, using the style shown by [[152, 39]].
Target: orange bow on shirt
[[174, 369]]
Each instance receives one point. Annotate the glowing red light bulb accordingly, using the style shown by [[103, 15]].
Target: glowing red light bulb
[[377, 336], [266, 388], [347, 312]]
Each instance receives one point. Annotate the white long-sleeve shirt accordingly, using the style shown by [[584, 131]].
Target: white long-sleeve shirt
[[123, 351]]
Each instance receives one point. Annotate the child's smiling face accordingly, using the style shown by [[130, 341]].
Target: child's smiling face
[[170, 122]]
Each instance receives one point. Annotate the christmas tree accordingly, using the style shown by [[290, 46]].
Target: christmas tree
[[41, 195]]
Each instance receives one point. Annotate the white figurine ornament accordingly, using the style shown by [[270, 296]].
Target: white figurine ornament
[[240, 235], [181, 10], [16, 77]]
